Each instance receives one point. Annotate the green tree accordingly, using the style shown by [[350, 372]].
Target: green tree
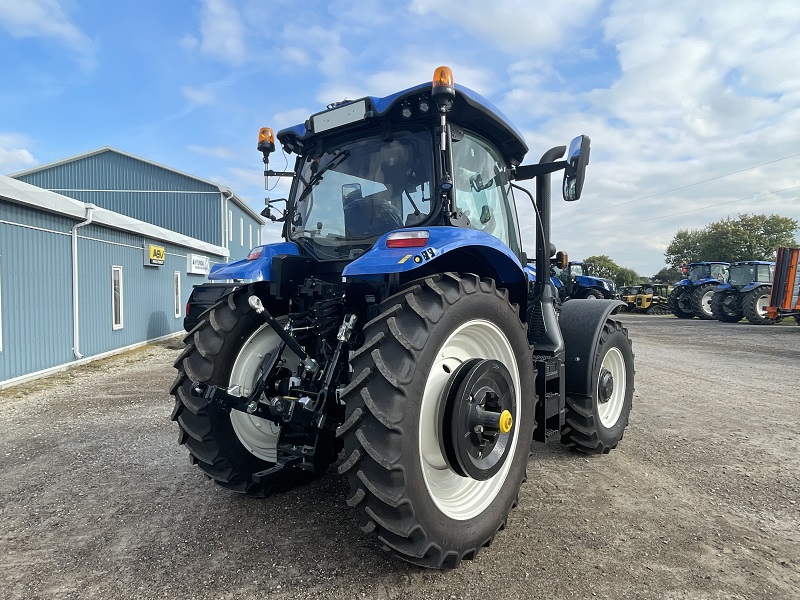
[[603, 266], [668, 275], [750, 237]]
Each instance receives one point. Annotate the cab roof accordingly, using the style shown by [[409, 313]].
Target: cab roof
[[470, 110]]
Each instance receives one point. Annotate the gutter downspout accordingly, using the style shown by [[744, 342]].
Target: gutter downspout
[[75, 324]]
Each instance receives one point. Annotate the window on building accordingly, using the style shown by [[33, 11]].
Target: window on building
[[258, 235], [251, 235], [230, 225], [116, 297], [241, 232], [177, 285]]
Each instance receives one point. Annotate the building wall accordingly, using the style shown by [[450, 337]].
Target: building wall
[[36, 315], [150, 193]]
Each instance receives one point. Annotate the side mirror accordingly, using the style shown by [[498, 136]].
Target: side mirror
[[350, 192], [577, 159], [560, 260]]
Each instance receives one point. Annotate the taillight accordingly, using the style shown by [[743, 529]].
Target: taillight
[[407, 239], [187, 308]]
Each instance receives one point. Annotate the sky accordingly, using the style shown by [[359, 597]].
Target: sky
[[693, 108]]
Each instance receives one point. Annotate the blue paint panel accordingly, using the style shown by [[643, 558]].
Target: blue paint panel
[[380, 259], [259, 269]]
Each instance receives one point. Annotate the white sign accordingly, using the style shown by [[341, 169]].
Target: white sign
[[197, 264]]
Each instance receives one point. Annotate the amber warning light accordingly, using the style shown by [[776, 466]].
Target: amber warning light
[[266, 140]]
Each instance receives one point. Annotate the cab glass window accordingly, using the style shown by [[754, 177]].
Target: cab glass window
[[481, 189]]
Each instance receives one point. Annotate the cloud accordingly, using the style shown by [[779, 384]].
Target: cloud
[[13, 156], [223, 153], [45, 19], [198, 96], [222, 32], [511, 26]]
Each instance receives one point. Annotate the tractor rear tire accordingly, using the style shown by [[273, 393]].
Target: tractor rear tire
[[229, 446], [755, 304], [701, 301], [595, 424], [724, 308], [402, 479], [680, 303]]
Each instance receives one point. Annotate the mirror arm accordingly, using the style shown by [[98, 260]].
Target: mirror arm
[[530, 171], [271, 173]]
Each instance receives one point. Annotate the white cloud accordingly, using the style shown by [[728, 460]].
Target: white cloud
[[198, 96], [223, 153], [13, 155], [46, 19], [512, 26], [222, 32]]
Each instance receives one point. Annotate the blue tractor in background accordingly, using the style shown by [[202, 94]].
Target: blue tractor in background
[[691, 297], [580, 283], [395, 328], [745, 294]]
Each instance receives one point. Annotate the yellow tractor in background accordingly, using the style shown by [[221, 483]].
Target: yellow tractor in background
[[652, 299], [628, 295]]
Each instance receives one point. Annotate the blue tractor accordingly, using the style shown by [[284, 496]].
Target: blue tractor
[[745, 294], [691, 297], [580, 283], [396, 329]]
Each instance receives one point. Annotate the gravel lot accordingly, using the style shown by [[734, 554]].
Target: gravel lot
[[700, 500]]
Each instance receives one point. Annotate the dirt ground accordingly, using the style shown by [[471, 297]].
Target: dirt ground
[[699, 501]]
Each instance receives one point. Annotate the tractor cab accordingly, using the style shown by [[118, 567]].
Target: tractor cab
[[744, 273]]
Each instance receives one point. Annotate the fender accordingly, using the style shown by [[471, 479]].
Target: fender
[[755, 284], [258, 268], [381, 260], [581, 324], [724, 287]]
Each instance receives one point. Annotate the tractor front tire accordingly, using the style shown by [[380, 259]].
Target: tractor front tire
[[755, 304], [701, 301], [593, 295], [724, 308], [229, 446], [680, 303], [397, 459], [595, 424]]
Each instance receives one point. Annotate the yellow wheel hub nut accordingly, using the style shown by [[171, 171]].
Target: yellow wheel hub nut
[[506, 421]]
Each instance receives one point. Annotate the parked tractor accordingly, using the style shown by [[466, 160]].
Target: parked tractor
[[628, 295], [784, 298], [396, 330], [691, 297], [580, 283], [652, 300], [745, 294]]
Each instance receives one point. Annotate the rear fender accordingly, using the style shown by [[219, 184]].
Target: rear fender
[[756, 284], [258, 269], [581, 324], [468, 249]]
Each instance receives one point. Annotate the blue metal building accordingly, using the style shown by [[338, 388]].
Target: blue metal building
[[111, 266]]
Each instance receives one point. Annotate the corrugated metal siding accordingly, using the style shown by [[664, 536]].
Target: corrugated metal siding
[[140, 190], [37, 291]]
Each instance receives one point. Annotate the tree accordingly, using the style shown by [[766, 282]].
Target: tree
[[750, 237], [603, 266], [668, 275]]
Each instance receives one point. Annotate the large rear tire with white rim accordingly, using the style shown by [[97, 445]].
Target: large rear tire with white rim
[[440, 417]]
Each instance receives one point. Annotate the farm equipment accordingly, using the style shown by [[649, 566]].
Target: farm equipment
[[580, 283], [628, 295], [396, 329], [652, 300], [692, 296], [745, 294], [784, 299]]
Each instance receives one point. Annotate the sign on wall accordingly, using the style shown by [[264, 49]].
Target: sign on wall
[[197, 264], [154, 255]]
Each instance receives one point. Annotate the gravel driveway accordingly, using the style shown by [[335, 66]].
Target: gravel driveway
[[699, 501]]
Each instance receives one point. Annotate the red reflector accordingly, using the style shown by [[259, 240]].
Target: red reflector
[[407, 239], [255, 253]]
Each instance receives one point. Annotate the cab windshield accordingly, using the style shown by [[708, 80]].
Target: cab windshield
[[354, 191]]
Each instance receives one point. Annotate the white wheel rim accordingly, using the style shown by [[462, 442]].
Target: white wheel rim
[[761, 305], [259, 436], [610, 411], [706, 303], [459, 497]]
